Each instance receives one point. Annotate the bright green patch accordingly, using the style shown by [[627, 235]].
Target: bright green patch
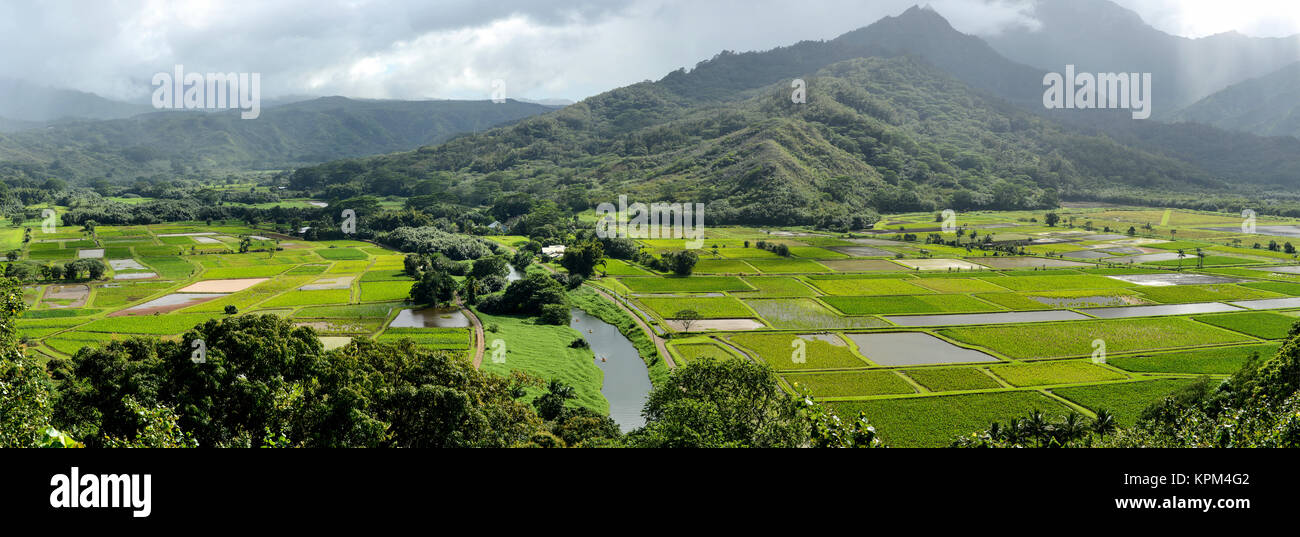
[[1058, 340], [1260, 324], [868, 305], [724, 307], [849, 383], [937, 421], [1042, 373], [1125, 401], [952, 379], [780, 350], [1214, 361]]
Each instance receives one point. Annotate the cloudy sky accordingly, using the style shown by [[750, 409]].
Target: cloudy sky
[[414, 49]]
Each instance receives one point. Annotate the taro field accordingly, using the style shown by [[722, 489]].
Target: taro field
[[934, 334], [162, 280]]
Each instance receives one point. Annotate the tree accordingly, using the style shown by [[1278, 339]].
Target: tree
[[550, 405], [434, 287], [731, 403], [583, 258], [687, 318], [96, 268], [231, 309], [1051, 219], [245, 244], [26, 392], [1132, 231], [681, 263]]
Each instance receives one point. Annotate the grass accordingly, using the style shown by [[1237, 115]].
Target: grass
[[543, 351], [1125, 401], [937, 421], [869, 287], [1260, 324], [952, 379], [849, 383], [693, 284], [1044, 373], [617, 267], [1058, 340], [1216, 361], [385, 291], [806, 314], [779, 351], [723, 307], [867, 305]]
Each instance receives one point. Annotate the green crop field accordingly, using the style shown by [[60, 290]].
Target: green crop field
[[1180, 294], [806, 313], [385, 291], [309, 298], [1057, 340], [778, 286], [1213, 361], [869, 287], [1124, 400], [341, 254], [722, 266], [688, 352], [1042, 373], [849, 383], [937, 421], [724, 307], [779, 350], [1260, 324], [172, 323], [952, 379], [695, 284], [868, 305]]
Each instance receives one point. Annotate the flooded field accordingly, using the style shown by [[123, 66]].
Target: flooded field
[[940, 264], [914, 348], [66, 296], [90, 253], [1149, 258], [1088, 301], [167, 304], [1269, 303], [861, 265], [1173, 278], [705, 325], [1154, 311], [126, 264], [221, 286], [862, 251], [337, 282], [1029, 262], [430, 318], [135, 276]]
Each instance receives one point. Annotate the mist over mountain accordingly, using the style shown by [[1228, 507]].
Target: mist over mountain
[[1101, 36], [289, 135], [26, 102], [1267, 106]]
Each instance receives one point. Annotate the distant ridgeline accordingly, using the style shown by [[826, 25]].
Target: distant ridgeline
[[904, 115], [171, 145]]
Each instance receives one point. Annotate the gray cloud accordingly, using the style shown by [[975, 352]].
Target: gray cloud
[[445, 48]]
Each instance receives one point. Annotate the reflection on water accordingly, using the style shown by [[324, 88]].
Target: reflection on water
[[430, 318], [627, 381]]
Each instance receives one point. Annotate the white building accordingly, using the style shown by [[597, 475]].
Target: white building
[[553, 251]]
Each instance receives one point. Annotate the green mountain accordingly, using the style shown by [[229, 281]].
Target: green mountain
[[1267, 106], [891, 134], [295, 134]]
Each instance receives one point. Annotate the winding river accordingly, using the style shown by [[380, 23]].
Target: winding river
[[627, 382]]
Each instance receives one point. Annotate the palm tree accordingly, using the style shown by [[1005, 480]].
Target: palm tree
[[1071, 428], [1104, 424], [1011, 434], [1181, 255], [1036, 427]]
